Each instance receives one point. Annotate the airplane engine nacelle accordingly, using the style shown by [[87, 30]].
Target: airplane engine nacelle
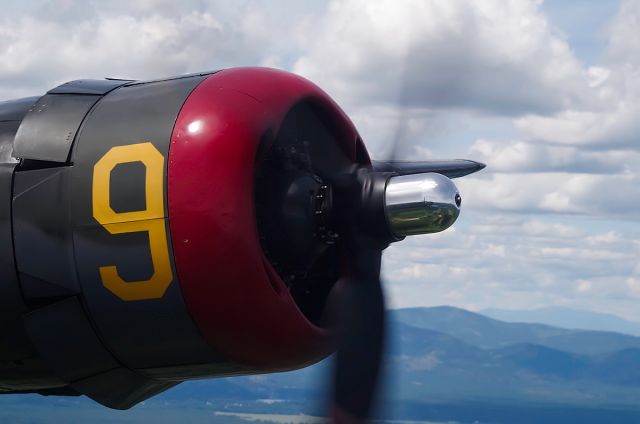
[[153, 232]]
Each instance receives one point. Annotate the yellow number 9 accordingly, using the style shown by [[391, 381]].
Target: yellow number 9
[[150, 220]]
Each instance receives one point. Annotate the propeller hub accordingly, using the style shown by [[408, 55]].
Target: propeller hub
[[421, 203]]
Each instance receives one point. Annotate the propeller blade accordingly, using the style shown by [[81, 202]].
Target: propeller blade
[[453, 168], [360, 332]]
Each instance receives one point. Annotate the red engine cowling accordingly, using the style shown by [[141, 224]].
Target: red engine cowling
[[235, 296], [146, 250]]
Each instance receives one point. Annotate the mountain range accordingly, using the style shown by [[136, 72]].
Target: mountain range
[[443, 363], [564, 317], [451, 357]]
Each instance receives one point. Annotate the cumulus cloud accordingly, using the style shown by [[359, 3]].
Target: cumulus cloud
[[493, 56], [565, 193], [525, 156], [612, 121], [69, 39], [517, 262], [622, 38], [617, 127], [581, 160]]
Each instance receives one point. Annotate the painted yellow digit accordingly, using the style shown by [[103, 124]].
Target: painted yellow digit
[[150, 220]]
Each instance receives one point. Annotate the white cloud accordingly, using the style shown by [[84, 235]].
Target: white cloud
[[64, 40], [617, 127], [580, 160], [588, 194], [44, 53], [517, 262], [612, 121], [526, 156], [622, 35], [493, 56]]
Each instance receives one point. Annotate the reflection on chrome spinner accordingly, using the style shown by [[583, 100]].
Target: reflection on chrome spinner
[[421, 203]]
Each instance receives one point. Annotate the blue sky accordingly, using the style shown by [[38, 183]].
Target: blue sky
[[583, 22], [546, 93]]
